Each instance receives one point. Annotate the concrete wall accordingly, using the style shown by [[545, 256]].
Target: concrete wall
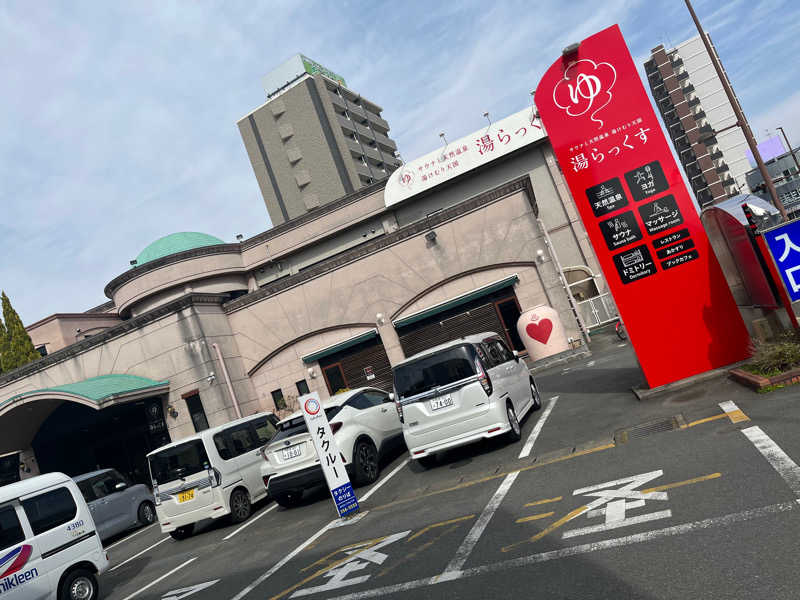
[[176, 347], [61, 330], [486, 239]]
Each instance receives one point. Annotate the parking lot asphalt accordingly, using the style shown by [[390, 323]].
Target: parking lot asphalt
[[706, 509]]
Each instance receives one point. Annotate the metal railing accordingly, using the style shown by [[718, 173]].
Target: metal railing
[[598, 311]]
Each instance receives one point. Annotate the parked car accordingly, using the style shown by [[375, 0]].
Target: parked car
[[211, 474], [49, 547], [116, 504], [461, 392], [365, 425]]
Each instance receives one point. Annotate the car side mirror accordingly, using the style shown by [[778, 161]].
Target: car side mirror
[[120, 486], [516, 356], [392, 397]]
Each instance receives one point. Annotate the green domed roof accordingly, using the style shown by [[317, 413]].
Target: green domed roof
[[176, 242]]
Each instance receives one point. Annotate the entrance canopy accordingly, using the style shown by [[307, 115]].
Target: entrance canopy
[[22, 415]]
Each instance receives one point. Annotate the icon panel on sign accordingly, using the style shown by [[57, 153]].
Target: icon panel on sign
[[606, 197], [646, 181]]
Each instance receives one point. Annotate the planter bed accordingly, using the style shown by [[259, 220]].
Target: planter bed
[[759, 382]]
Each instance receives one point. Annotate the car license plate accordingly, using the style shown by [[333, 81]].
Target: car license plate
[[439, 403], [185, 496], [291, 452]]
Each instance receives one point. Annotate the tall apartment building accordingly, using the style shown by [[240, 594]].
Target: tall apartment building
[[314, 140], [700, 119]]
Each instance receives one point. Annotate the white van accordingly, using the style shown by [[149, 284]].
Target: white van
[[49, 549], [211, 474], [461, 392]]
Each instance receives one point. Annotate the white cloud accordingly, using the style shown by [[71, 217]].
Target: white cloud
[[118, 120]]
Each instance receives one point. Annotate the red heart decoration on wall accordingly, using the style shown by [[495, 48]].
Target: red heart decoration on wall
[[540, 331]]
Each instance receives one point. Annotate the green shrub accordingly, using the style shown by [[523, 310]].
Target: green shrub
[[776, 357]]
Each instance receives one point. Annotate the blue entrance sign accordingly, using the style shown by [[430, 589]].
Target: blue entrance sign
[[784, 245]]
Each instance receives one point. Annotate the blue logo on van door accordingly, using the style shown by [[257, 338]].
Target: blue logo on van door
[[11, 574]]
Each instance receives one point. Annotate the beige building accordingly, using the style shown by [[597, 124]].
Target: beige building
[[200, 331], [314, 140], [700, 120]]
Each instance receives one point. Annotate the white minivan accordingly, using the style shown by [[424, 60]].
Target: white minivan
[[211, 474], [49, 548], [460, 392]]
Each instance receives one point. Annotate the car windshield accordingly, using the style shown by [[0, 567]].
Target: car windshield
[[291, 427], [436, 370], [178, 462]]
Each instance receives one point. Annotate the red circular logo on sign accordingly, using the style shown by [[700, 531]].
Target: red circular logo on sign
[[312, 406]]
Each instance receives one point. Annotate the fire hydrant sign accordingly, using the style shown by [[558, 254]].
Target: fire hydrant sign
[[330, 458], [670, 290], [784, 244]]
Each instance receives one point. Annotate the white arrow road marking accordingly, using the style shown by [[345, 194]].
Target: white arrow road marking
[[160, 579], [188, 591]]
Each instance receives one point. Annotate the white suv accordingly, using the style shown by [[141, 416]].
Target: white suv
[[461, 392], [366, 426]]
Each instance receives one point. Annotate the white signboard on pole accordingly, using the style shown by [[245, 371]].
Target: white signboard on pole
[[330, 458]]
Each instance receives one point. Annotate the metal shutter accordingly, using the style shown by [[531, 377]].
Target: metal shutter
[[353, 364], [475, 320]]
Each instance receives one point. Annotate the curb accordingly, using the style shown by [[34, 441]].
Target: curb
[[559, 359], [684, 384]]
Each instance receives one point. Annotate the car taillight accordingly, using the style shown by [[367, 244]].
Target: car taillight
[[156, 495], [266, 480], [483, 377], [399, 406], [336, 427]]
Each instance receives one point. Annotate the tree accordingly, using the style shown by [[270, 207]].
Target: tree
[[3, 346], [19, 347]]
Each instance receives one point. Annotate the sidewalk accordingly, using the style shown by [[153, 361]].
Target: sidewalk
[[595, 397]]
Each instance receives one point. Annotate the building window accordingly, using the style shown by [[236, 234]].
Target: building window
[[277, 399], [195, 406], [302, 387], [42, 350]]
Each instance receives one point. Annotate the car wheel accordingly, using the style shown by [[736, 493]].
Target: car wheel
[[181, 533], [537, 398], [427, 462], [79, 585], [147, 513], [515, 433], [240, 506], [289, 499], [365, 459]]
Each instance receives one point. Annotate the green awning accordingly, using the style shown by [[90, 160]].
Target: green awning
[[349, 343], [99, 389], [457, 301]]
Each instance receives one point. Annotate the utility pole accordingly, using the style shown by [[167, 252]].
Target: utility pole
[[740, 118], [789, 146]]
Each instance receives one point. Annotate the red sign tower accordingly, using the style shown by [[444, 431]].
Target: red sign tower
[[646, 233]]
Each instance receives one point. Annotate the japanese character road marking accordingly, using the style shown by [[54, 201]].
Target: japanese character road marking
[[613, 503], [359, 559]]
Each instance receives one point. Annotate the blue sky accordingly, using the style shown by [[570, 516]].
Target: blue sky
[[118, 120]]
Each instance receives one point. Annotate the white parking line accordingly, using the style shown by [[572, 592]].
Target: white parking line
[[163, 577], [779, 460], [524, 561], [281, 562], [537, 429], [463, 552], [313, 538], [250, 521], [133, 535], [125, 562]]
